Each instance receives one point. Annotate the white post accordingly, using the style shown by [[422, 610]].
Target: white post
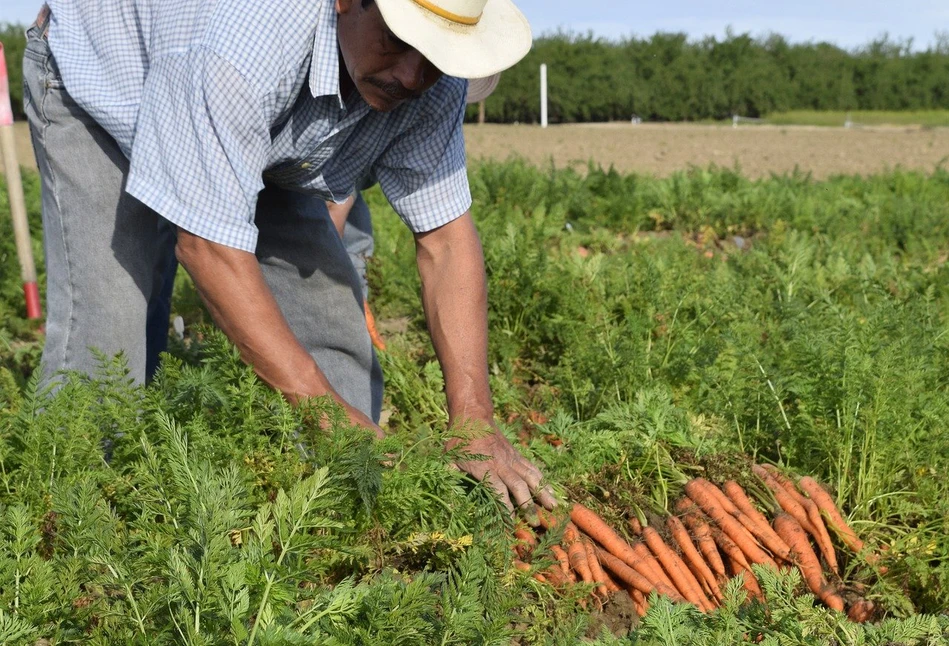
[[543, 95]]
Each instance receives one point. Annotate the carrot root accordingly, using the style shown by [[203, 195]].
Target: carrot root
[[794, 535], [705, 542], [757, 524], [705, 496], [684, 581], [693, 559]]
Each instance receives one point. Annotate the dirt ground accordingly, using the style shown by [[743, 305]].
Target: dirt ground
[[661, 149]]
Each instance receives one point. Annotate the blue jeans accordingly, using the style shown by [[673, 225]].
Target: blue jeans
[[358, 240], [106, 263], [159, 307]]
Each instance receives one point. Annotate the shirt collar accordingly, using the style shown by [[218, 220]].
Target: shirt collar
[[324, 64]]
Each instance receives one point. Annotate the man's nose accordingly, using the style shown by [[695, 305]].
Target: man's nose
[[412, 71]]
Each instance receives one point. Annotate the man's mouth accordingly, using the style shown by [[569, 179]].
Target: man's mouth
[[394, 90]]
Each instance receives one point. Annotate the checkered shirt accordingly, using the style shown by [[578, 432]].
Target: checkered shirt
[[211, 98]]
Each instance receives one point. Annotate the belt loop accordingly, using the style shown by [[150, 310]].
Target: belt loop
[[42, 20]]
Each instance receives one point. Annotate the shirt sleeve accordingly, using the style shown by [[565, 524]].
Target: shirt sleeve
[[423, 172], [200, 147]]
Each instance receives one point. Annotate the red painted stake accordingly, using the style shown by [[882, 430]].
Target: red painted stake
[[21, 229]]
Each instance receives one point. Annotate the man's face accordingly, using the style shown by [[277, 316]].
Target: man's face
[[385, 70]]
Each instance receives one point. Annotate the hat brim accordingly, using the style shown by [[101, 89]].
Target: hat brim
[[501, 38], [481, 89]]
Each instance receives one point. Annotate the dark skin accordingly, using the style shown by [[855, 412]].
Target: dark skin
[[386, 72]]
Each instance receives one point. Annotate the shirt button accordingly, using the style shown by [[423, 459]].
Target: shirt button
[[305, 165]]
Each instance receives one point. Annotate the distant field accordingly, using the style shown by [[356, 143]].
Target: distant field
[[661, 149], [926, 118]]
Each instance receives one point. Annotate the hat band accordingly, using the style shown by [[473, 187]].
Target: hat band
[[448, 15]]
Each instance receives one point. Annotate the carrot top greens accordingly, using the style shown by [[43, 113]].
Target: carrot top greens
[[712, 322]]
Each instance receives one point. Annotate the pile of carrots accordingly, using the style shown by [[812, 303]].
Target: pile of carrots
[[716, 533]]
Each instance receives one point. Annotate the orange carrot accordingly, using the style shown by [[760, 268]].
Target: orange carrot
[[577, 554], [526, 541], [521, 565], [817, 528], [564, 562], [789, 487], [611, 585], [639, 602], [785, 499], [635, 526], [684, 506], [750, 581], [701, 492], [692, 557], [706, 542], [861, 611], [548, 520], [684, 581], [553, 576], [794, 535], [570, 534], [830, 511], [784, 481], [650, 563], [633, 578], [729, 548], [821, 536], [371, 327], [727, 504], [758, 524], [599, 575], [597, 529]]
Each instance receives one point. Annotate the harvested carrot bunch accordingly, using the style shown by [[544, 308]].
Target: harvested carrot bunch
[[713, 534]]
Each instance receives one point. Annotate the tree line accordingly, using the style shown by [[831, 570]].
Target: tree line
[[668, 77]]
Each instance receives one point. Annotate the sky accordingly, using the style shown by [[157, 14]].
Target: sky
[[848, 23]]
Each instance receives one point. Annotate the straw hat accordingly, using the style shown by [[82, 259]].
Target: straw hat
[[464, 38], [481, 89]]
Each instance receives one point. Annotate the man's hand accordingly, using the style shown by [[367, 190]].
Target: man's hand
[[455, 298], [509, 473], [240, 302]]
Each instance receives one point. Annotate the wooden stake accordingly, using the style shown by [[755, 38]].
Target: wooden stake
[[21, 229]]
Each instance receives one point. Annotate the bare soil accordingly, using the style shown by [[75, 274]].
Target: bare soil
[[661, 149]]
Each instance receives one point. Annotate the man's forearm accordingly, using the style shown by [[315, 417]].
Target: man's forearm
[[233, 288], [454, 295]]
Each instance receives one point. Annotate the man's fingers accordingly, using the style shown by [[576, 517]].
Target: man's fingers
[[534, 478], [501, 488], [546, 497], [528, 472], [520, 491]]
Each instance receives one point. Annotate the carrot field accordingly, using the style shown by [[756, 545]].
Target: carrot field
[[646, 334]]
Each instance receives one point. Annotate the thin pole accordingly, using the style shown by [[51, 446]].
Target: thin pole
[[21, 229], [543, 95]]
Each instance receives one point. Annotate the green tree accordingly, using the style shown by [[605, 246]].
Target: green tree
[[13, 38]]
